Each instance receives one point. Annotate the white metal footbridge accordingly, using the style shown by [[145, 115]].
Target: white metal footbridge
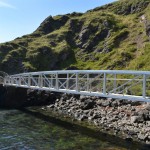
[[117, 84]]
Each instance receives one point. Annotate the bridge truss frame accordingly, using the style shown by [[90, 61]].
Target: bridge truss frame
[[117, 84]]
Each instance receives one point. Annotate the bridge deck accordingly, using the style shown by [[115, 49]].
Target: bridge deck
[[87, 93]]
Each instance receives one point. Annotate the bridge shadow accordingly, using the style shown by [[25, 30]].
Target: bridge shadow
[[112, 139]]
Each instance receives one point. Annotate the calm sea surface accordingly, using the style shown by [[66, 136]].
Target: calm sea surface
[[34, 129]]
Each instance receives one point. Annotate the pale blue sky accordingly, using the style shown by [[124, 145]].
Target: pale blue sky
[[20, 17]]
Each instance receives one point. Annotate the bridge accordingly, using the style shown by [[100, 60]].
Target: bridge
[[117, 84]]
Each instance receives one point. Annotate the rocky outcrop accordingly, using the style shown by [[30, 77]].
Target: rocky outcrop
[[50, 24], [147, 26], [135, 7], [125, 7]]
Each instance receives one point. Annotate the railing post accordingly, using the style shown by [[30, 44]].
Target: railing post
[[115, 83], [11, 80], [67, 84], [40, 82], [104, 84], [8, 80], [29, 80], [51, 78], [77, 80], [144, 86], [19, 82], [57, 81], [88, 82], [4, 81]]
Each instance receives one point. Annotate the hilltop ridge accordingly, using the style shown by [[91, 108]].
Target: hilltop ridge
[[113, 36]]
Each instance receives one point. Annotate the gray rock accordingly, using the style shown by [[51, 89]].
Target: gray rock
[[82, 97], [105, 103], [96, 115], [51, 106], [82, 117], [145, 113], [136, 119], [142, 136], [87, 104], [148, 123], [148, 107], [114, 104]]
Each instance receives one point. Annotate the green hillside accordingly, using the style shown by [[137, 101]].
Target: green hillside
[[114, 36]]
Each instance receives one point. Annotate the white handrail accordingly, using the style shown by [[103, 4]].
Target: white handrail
[[103, 83]]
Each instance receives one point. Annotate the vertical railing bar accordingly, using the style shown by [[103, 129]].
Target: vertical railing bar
[[115, 83], [67, 84], [57, 81], [104, 84], [4, 83], [19, 81], [41, 81], [77, 80], [29, 80], [88, 82], [51, 81], [144, 86], [11, 82]]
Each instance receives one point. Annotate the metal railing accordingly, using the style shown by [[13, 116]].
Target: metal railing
[[121, 84], [2, 76]]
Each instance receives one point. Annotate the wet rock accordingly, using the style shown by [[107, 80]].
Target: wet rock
[[51, 106], [115, 115], [129, 139], [142, 136], [82, 117]]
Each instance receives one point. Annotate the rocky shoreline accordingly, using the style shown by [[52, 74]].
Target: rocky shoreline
[[125, 119], [130, 120]]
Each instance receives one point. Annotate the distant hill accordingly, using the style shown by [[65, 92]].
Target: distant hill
[[114, 36]]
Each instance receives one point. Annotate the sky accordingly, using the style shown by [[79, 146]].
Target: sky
[[20, 17]]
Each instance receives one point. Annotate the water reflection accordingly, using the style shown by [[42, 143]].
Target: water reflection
[[32, 129]]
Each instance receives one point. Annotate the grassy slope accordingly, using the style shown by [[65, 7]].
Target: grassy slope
[[108, 37]]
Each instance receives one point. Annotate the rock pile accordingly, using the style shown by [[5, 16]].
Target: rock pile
[[130, 119]]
